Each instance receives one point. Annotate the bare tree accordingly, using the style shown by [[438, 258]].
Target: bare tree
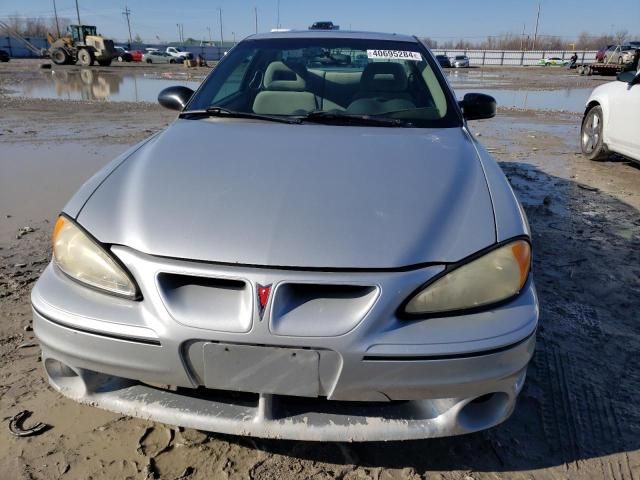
[[33, 26], [512, 41], [621, 36]]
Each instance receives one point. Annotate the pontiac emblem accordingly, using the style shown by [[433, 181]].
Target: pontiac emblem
[[263, 297]]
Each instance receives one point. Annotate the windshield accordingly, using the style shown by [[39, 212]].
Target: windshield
[[293, 77]]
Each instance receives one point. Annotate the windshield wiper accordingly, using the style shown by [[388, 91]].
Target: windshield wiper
[[223, 112], [322, 116]]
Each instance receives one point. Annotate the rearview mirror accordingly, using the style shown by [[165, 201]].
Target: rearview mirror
[[476, 106], [629, 77], [175, 98]]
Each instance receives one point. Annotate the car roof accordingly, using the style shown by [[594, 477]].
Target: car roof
[[347, 34]]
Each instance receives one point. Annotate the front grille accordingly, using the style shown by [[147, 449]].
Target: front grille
[[222, 304]]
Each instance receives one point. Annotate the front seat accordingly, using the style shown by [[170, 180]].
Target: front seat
[[383, 88], [284, 93]]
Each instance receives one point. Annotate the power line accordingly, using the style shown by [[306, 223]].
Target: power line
[[55, 12], [535, 35], [78, 13], [127, 13]]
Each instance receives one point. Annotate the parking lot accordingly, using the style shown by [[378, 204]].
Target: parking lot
[[578, 415]]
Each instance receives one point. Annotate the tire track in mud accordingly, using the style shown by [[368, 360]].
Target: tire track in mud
[[580, 421], [559, 425], [619, 468]]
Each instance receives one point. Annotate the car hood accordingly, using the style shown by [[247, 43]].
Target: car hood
[[317, 196]]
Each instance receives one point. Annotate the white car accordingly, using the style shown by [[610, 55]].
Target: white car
[[610, 122], [460, 61], [174, 52], [159, 57]]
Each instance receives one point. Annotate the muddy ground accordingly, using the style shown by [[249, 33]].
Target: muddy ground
[[578, 415]]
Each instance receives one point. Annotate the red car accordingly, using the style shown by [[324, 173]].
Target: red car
[[136, 55], [601, 54]]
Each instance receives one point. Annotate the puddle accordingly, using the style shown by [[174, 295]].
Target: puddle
[[568, 99], [37, 181], [99, 86], [94, 85], [476, 78]]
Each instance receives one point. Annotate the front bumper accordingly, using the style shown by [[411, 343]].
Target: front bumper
[[378, 377]]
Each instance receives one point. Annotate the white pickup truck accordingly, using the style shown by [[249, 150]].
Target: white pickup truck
[[174, 52]]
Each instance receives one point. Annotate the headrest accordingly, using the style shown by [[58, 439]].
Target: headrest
[[384, 77], [280, 77]]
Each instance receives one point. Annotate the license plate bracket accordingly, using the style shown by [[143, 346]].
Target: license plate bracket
[[250, 368]]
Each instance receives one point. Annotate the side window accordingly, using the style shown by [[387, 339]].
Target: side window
[[234, 82]]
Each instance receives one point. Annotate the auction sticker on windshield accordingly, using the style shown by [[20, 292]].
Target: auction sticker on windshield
[[394, 55]]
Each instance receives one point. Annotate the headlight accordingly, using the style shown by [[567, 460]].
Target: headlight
[[84, 260], [495, 276]]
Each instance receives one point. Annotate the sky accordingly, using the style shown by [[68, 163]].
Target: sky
[[441, 20]]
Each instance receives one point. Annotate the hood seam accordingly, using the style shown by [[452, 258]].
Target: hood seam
[[486, 181]]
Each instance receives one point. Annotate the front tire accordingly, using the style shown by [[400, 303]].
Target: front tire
[[85, 57], [591, 139], [59, 56], [149, 60]]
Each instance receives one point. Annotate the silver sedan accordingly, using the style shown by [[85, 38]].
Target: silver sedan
[[155, 56], [317, 249], [460, 61]]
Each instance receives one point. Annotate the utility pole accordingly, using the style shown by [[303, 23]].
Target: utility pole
[[210, 41], [278, 17], [180, 32], [78, 13], [127, 13], [535, 34], [524, 26], [233, 34], [55, 13], [255, 11], [221, 37]]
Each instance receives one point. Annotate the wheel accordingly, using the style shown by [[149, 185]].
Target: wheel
[[149, 60], [580, 70], [591, 141], [120, 59], [589, 71], [85, 57], [59, 56], [104, 63], [172, 61], [620, 61]]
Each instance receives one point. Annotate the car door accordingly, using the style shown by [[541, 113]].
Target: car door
[[624, 118]]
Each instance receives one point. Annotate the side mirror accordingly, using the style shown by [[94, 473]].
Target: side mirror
[[629, 77], [476, 106], [175, 98]]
